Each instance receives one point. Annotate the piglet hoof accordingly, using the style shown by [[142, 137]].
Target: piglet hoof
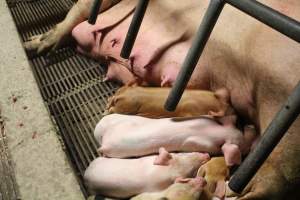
[[163, 158]]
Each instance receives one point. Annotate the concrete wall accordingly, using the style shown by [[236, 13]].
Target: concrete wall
[[41, 167]]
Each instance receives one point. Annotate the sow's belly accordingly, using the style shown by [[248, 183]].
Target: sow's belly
[[166, 35]]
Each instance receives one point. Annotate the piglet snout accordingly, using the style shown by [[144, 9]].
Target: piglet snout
[[198, 183]]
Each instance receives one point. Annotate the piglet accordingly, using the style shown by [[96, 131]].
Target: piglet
[[215, 173], [149, 102], [189, 189], [123, 178], [123, 136]]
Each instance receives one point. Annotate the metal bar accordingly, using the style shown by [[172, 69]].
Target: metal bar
[[269, 16], [94, 11], [134, 28], [275, 131], [209, 20]]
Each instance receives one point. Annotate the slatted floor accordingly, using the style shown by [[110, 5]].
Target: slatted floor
[[70, 84]]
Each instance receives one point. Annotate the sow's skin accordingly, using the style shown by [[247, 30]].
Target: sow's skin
[[183, 189], [123, 178], [149, 102], [123, 136], [259, 66]]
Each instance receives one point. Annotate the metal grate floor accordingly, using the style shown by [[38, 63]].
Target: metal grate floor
[[71, 84]]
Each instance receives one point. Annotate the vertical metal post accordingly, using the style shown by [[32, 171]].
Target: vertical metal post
[[134, 27], [94, 11], [209, 20], [275, 131]]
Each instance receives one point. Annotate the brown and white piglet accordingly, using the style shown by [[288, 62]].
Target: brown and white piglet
[[149, 102]]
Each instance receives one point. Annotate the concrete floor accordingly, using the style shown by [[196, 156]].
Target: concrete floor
[[41, 167]]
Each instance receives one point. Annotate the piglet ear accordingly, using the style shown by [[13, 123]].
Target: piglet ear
[[232, 154], [223, 95], [220, 113], [163, 158], [182, 180]]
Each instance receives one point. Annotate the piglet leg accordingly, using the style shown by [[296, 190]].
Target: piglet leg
[[232, 154], [224, 96], [220, 189], [163, 157], [250, 137]]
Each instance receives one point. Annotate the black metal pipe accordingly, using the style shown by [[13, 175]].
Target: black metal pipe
[[134, 27], [269, 16], [94, 11], [275, 131], [209, 20]]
